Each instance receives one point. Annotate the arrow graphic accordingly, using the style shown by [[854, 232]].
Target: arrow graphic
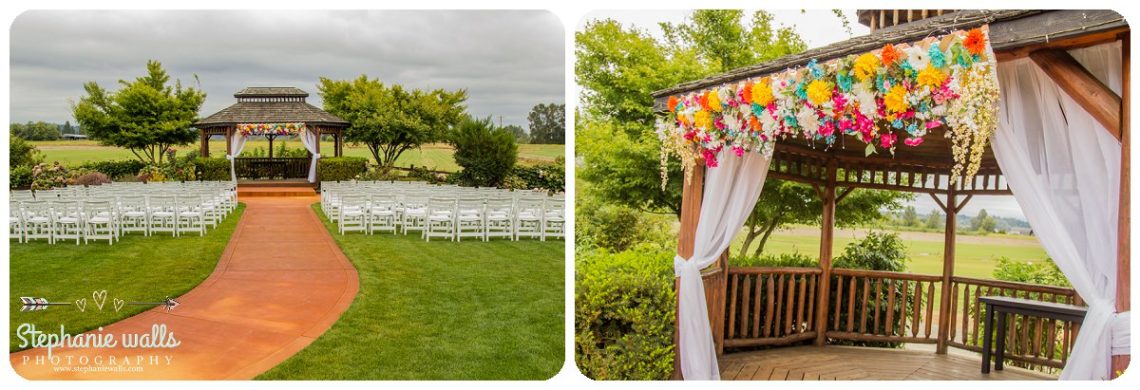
[[35, 304]]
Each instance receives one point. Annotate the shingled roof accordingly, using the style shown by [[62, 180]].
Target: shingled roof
[[271, 105]]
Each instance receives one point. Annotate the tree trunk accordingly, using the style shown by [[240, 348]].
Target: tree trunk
[[768, 229]]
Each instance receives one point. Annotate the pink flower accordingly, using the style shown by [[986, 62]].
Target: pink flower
[[710, 158], [915, 141], [934, 123], [826, 129], [738, 150], [719, 123], [887, 140], [689, 135], [838, 100]]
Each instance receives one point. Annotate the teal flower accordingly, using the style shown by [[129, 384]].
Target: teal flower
[[937, 58], [844, 82], [816, 70]]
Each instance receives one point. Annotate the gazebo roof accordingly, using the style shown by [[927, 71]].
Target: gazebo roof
[[271, 105], [925, 168]]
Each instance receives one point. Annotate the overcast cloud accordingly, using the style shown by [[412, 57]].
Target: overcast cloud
[[508, 60]]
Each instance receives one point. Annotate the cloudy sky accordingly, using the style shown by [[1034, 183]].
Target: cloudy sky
[[508, 61], [817, 28]]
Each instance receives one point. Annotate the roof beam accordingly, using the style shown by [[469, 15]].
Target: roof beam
[[1082, 87]]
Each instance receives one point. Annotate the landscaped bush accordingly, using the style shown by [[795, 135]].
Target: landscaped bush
[[20, 178], [22, 153], [115, 169], [617, 228], [775, 260], [1036, 272], [486, 153], [212, 169], [377, 173], [341, 168], [89, 178], [624, 312], [551, 177], [48, 176], [877, 251]]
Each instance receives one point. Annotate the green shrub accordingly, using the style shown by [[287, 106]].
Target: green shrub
[[877, 251], [551, 177], [617, 227], [115, 169], [22, 153], [775, 260], [1036, 272], [486, 153], [212, 169], [20, 178], [624, 313], [341, 168], [48, 176]]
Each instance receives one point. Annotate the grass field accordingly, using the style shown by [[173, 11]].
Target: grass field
[[975, 256], [136, 268], [443, 310], [434, 156]]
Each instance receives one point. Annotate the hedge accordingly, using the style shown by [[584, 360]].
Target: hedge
[[115, 169], [212, 169], [21, 178], [341, 168], [551, 177]]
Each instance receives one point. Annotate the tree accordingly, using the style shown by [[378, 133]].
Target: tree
[[146, 116], [784, 202], [983, 223], [35, 131], [547, 123], [22, 153], [910, 217], [521, 135], [486, 153], [619, 68], [391, 120], [68, 128], [935, 220]]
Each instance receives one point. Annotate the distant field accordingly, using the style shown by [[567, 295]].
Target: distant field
[[976, 256], [434, 156]]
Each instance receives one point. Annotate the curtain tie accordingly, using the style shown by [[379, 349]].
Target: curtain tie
[[680, 265], [1121, 326], [229, 157]]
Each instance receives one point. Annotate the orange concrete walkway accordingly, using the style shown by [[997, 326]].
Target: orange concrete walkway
[[281, 282]]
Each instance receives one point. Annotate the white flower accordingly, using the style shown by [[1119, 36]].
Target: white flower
[[808, 120], [918, 57], [866, 100]]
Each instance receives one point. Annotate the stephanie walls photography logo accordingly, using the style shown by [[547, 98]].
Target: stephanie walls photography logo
[[98, 350]]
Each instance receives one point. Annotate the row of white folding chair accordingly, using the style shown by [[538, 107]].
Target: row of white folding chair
[[454, 218], [63, 220], [68, 219]]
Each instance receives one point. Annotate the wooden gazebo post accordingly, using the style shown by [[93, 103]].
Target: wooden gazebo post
[[949, 243], [826, 241], [204, 143], [1124, 230], [691, 196]]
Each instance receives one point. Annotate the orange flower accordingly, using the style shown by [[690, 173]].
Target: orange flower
[[975, 41], [672, 103], [889, 55], [753, 123], [747, 94]]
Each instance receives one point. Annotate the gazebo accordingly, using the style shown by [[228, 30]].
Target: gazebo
[[1083, 55], [272, 112]]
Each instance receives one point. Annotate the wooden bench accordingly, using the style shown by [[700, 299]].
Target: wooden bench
[[1000, 306]]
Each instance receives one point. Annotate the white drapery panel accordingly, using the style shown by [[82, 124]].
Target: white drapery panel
[[731, 191], [311, 138], [1064, 170], [237, 143]]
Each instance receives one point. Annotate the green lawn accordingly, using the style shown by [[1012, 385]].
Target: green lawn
[[975, 256], [443, 310], [434, 156], [136, 268]]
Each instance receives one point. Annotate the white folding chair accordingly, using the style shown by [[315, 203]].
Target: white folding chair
[[553, 219], [133, 214], [190, 215], [67, 221], [470, 219], [528, 218], [37, 219], [413, 214], [15, 221], [352, 211], [440, 219], [162, 214], [98, 221], [382, 214], [500, 218]]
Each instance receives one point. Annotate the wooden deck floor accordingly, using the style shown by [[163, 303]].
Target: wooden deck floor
[[859, 363]]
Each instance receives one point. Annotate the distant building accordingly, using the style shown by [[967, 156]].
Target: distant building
[[74, 136]]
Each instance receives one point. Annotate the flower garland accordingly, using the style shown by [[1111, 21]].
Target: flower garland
[[904, 90], [248, 129]]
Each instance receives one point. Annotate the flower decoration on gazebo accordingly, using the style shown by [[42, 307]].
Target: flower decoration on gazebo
[[253, 129], [895, 94]]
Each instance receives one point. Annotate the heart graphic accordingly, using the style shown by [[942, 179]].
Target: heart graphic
[[99, 298], [81, 304], [119, 304]]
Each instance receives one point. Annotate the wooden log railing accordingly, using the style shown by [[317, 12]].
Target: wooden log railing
[[770, 305], [1033, 343], [272, 168], [880, 306]]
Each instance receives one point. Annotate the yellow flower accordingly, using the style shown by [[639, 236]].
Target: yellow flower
[[702, 120], [714, 101], [819, 92], [762, 92], [896, 99], [931, 77], [866, 66]]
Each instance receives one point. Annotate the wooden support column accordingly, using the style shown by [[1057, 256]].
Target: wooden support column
[[204, 147], [229, 140], [1095, 97], [951, 208], [826, 241], [1123, 253], [691, 196]]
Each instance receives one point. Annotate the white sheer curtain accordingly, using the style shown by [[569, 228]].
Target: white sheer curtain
[[311, 138], [730, 193], [1064, 170], [237, 143]]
